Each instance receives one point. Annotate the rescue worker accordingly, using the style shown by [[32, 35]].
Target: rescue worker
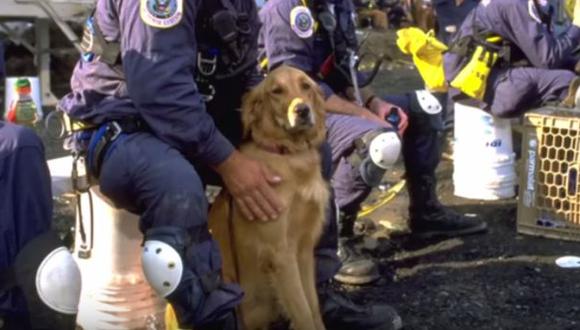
[[318, 37], [532, 66], [39, 280], [144, 82], [449, 15]]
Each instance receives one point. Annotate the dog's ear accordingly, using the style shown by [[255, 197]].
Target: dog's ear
[[252, 102]]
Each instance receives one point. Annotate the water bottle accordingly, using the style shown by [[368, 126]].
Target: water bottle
[[393, 117]]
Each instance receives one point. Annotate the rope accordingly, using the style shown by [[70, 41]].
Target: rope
[[389, 195]]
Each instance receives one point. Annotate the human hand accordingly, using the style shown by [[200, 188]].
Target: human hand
[[250, 184], [383, 109]]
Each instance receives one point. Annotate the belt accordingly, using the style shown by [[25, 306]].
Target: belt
[[104, 137]]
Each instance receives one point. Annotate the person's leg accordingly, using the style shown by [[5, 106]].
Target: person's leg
[[327, 261], [515, 91], [148, 177], [339, 312], [28, 242], [421, 153], [355, 175]]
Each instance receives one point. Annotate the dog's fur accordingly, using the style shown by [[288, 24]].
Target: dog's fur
[[274, 261]]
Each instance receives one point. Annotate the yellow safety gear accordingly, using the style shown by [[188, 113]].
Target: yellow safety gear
[[427, 53], [72, 126], [170, 318], [569, 8], [472, 79], [574, 8]]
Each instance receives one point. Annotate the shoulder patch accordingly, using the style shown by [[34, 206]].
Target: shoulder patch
[[302, 22], [161, 14]]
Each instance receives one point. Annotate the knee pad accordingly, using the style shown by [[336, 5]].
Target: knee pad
[[50, 280], [183, 267], [425, 112], [162, 260], [383, 149]]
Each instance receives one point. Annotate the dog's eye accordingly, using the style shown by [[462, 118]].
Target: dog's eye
[[306, 86], [277, 90]]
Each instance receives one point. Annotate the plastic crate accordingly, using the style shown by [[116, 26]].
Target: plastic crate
[[549, 203]]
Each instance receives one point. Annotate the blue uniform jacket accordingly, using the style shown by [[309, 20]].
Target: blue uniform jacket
[[155, 81], [517, 21], [282, 45]]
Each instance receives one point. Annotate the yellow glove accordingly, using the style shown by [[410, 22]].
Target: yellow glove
[[427, 53], [576, 18]]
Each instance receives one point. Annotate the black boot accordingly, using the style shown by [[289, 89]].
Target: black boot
[[356, 269], [340, 313], [429, 218]]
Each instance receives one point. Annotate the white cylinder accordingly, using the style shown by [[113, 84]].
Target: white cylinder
[[115, 293], [15, 95], [483, 158]]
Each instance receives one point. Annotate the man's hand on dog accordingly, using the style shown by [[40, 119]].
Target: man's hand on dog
[[383, 109], [250, 184]]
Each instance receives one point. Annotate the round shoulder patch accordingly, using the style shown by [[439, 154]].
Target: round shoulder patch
[[302, 22], [161, 14]]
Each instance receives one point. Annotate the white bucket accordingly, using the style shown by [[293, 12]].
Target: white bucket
[[115, 293], [484, 162], [11, 96]]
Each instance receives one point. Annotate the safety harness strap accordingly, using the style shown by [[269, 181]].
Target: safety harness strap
[[106, 135]]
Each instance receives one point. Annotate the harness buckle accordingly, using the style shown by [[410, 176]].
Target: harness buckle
[[116, 129], [206, 66]]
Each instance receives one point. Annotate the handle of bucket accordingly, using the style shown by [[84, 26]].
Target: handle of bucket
[[572, 181]]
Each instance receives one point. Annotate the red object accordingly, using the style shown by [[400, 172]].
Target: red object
[[11, 115], [327, 66]]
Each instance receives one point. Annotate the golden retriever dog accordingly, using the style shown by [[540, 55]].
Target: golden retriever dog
[[273, 261]]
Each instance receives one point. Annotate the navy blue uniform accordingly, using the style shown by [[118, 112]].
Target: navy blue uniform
[[151, 172], [514, 90], [26, 203], [450, 16], [283, 45]]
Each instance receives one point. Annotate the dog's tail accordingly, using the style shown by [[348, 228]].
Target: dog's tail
[[220, 222]]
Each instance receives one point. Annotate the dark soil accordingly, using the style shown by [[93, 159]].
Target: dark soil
[[498, 280]]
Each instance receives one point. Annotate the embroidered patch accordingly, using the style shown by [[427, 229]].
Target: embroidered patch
[[161, 14], [302, 22]]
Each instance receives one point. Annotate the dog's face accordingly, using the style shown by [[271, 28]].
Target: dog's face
[[286, 106]]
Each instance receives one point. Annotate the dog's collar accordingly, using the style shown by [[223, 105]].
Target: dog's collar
[[274, 148]]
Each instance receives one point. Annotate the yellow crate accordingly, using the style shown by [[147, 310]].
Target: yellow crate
[[549, 203]]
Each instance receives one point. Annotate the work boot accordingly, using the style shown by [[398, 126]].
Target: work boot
[[429, 218], [573, 97], [339, 312], [356, 269]]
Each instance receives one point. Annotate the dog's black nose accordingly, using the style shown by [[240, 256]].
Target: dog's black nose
[[302, 110]]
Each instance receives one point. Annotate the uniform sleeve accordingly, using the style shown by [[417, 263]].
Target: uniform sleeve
[[541, 47], [284, 46], [159, 67]]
